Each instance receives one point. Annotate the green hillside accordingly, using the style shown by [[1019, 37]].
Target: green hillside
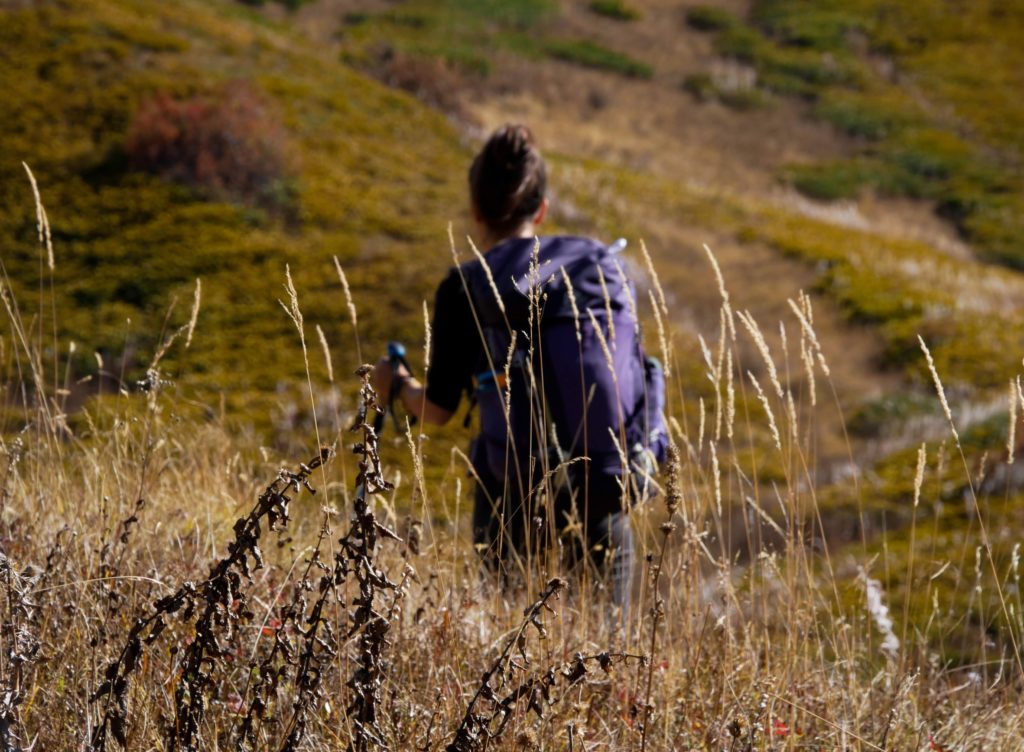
[[468, 36], [372, 178], [929, 89]]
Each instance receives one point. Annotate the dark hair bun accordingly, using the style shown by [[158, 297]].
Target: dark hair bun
[[508, 179], [509, 148]]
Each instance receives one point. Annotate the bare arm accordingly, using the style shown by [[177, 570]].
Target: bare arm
[[414, 399], [413, 395]]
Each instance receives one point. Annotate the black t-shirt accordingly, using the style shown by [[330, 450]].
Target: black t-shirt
[[457, 351]]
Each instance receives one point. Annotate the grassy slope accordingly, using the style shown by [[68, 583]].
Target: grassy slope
[[378, 177], [928, 87], [967, 312], [468, 34]]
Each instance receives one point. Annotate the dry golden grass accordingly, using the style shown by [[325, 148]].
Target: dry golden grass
[[747, 631]]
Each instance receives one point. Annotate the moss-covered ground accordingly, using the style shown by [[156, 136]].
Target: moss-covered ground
[[928, 88], [376, 180]]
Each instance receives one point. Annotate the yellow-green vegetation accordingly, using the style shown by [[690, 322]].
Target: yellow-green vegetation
[[467, 34], [930, 88], [709, 18], [949, 546], [593, 55], [796, 615], [464, 33], [909, 289], [968, 313], [616, 9], [376, 178], [289, 4], [901, 288]]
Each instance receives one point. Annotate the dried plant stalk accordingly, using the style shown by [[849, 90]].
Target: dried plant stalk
[[216, 604]]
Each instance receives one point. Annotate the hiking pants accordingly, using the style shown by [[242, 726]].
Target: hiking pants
[[508, 532]]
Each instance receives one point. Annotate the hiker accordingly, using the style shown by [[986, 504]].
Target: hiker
[[545, 342]]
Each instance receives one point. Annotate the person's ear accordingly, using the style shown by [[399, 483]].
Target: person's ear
[[478, 221], [541, 212]]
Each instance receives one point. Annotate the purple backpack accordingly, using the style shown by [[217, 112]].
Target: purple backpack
[[555, 387]]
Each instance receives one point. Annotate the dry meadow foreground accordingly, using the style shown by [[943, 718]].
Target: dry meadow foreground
[[169, 584]]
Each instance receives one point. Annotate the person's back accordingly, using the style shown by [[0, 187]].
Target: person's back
[[566, 379], [543, 332]]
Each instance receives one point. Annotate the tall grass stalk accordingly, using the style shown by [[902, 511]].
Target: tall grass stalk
[[1012, 632]]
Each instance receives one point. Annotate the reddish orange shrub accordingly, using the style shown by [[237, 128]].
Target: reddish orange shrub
[[230, 145], [432, 80]]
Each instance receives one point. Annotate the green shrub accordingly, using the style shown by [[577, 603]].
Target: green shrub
[[710, 18], [592, 55], [409, 19], [958, 151], [804, 72], [876, 417], [520, 15], [989, 433], [861, 116], [787, 70], [740, 42], [356, 18], [830, 181], [615, 9], [289, 4], [701, 86], [464, 34], [466, 59], [931, 154], [822, 25], [745, 99], [996, 225]]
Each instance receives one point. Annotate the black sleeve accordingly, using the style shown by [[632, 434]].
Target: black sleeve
[[455, 344]]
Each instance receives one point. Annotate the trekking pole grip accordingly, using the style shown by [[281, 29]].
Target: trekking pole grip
[[396, 358]]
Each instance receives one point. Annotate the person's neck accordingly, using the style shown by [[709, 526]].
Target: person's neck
[[491, 239]]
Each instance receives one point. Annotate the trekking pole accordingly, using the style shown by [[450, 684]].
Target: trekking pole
[[396, 357]]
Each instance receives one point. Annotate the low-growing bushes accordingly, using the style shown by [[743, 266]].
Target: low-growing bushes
[[710, 18], [228, 145], [432, 80], [866, 116], [289, 4], [822, 26], [593, 55], [701, 86], [831, 181], [875, 418], [615, 9], [953, 140]]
